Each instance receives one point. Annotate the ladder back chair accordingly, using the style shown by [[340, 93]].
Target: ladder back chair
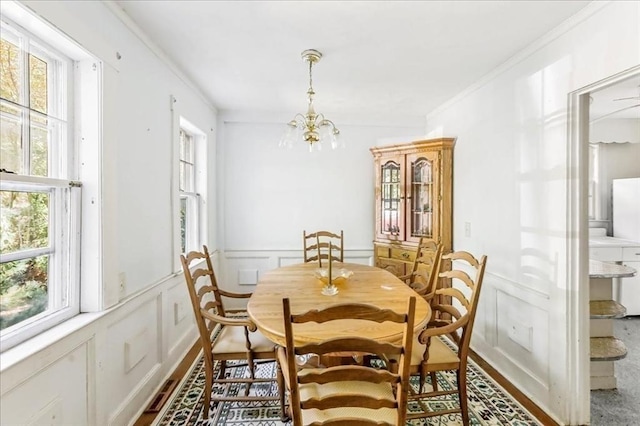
[[423, 277], [317, 245], [431, 353], [226, 337], [353, 394]]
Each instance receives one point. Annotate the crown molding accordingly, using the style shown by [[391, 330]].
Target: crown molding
[[568, 24]]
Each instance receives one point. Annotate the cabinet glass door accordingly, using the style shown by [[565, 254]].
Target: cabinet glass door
[[423, 200], [390, 199]]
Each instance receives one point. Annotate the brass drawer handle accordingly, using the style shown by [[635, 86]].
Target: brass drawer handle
[[405, 255]]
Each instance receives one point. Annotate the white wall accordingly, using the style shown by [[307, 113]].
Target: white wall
[[615, 130], [510, 180], [103, 368], [269, 195]]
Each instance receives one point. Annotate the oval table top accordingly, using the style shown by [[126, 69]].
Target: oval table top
[[368, 284]]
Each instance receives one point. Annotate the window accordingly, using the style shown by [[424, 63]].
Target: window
[[189, 197], [594, 177], [39, 201]]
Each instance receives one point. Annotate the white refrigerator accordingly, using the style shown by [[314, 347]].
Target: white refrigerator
[[626, 209], [626, 225]]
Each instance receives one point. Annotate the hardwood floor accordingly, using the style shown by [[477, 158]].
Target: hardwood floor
[[524, 400], [147, 418]]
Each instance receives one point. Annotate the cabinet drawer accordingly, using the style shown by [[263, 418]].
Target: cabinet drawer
[[382, 252], [403, 254], [607, 254], [631, 254], [396, 267]]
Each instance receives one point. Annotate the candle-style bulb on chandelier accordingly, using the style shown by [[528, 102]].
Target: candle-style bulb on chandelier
[[312, 128]]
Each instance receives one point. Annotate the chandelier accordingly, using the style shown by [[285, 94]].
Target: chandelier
[[311, 127]]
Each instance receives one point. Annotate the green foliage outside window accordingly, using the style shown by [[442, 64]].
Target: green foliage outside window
[[24, 216]]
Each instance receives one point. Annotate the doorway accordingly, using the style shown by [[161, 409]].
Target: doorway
[[609, 126]]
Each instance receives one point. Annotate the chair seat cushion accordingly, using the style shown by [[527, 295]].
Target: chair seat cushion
[[231, 340], [314, 390], [439, 353]]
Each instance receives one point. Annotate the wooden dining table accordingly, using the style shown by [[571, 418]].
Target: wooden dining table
[[298, 282]]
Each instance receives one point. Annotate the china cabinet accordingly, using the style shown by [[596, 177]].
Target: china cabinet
[[413, 199]]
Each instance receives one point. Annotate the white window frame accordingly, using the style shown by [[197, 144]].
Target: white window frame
[[64, 193], [82, 161], [191, 195], [594, 212]]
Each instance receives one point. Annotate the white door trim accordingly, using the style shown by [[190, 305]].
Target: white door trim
[[578, 409]]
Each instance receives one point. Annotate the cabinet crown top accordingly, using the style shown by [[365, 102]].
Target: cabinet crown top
[[437, 143]]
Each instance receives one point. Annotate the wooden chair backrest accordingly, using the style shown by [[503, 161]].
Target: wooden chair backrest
[[397, 378], [204, 294], [317, 244], [425, 269], [460, 327]]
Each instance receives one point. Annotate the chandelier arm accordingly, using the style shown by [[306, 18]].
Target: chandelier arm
[[326, 120], [300, 117]]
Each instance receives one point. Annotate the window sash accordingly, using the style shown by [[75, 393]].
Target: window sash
[[50, 119], [63, 271], [58, 99], [189, 228], [187, 167]]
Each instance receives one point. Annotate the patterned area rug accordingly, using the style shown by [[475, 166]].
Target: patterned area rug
[[489, 404]]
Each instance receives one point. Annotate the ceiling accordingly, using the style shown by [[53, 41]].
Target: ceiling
[[396, 58], [620, 100]]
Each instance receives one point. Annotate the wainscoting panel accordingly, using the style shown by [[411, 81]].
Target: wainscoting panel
[[134, 341], [523, 343], [136, 336], [512, 333], [52, 395], [179, 322]]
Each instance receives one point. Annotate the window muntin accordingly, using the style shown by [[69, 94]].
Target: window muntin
[[39, 203]]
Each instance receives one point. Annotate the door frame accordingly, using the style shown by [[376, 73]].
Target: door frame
[[577, 301]]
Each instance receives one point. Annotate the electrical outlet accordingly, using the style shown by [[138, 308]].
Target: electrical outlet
[[467, 229], [122, 281]]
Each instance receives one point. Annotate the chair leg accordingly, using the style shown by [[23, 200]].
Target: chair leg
[[252, 372], [434, 381], [222, 370], [284, 416], [462, 395], [208, 374]]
